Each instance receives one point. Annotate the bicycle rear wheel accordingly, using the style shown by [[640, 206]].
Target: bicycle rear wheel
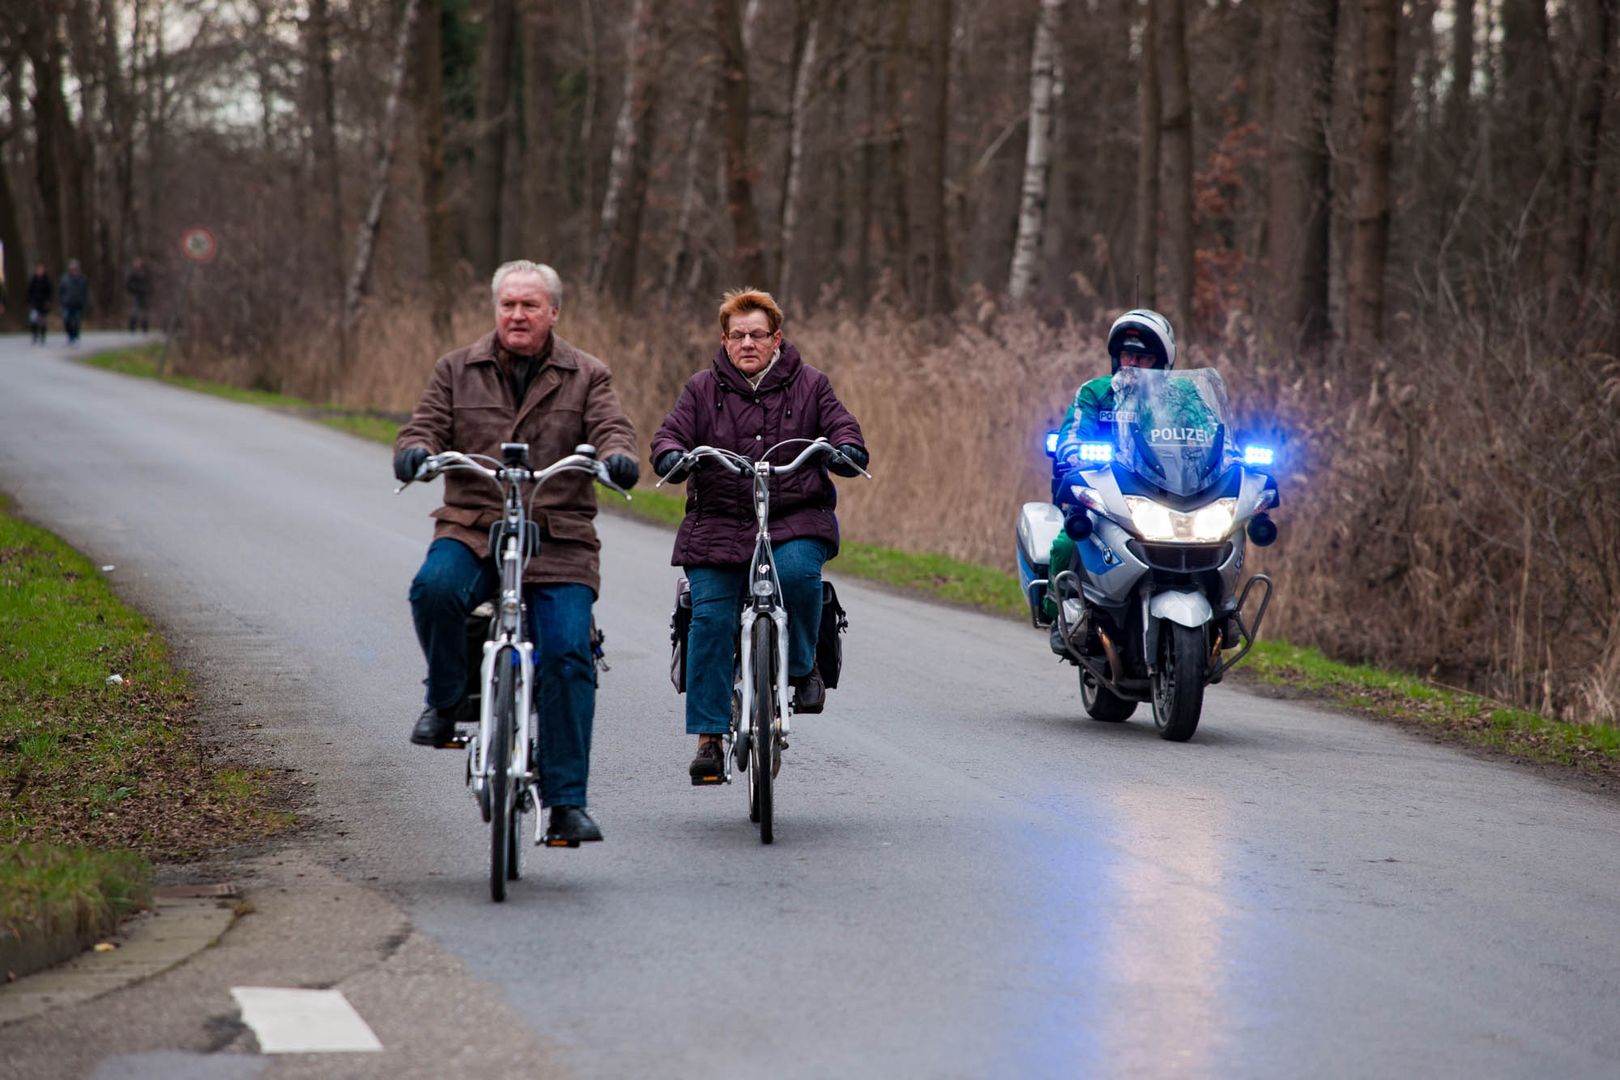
[[762, 746], [502, 719]]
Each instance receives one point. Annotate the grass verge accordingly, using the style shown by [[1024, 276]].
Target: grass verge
[[1455, 714], [1452, 714], [99, 765]]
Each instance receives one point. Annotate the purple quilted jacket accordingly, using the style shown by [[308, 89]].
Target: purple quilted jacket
[[719, 408]]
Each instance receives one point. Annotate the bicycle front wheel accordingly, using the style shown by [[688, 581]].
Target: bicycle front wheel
[[762, 746], [502, 720]]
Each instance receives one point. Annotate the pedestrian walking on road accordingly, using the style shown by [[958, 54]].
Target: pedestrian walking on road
[[40, 292], [139, 287], [519, 383], [74, 293]]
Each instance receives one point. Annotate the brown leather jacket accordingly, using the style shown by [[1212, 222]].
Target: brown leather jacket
[[468, 406]]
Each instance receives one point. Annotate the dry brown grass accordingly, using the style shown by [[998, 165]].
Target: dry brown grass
[[1452, 508]]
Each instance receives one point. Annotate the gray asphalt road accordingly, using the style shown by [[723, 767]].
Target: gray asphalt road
[[969, 879]]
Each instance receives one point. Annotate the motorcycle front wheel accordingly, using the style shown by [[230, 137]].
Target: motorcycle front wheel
[[1178, 685]]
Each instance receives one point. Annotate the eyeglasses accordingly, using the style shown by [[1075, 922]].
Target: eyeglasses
[[737, 337]]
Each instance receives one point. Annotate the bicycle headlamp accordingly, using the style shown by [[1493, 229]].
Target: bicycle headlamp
[[762, 587]]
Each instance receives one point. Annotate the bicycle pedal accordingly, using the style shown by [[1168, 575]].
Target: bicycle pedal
[[556, 842], [704, 781], [455, 742]]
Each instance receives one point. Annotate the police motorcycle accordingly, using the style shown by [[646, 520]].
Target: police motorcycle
[[1153, 606]]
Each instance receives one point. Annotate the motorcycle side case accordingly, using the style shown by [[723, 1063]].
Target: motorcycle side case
[[1038, 526]]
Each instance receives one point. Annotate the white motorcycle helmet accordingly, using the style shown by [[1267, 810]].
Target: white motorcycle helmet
[[1145, 331]]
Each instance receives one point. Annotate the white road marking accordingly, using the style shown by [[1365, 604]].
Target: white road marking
[[303, 1021]]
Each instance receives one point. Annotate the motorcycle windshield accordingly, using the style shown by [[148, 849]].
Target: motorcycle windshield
[[1171, 428]]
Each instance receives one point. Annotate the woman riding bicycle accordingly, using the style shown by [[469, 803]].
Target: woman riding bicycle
[[755, 393]]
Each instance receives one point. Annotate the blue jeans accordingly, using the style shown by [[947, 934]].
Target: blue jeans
[[711, 644], [71, 317], [450, 584]]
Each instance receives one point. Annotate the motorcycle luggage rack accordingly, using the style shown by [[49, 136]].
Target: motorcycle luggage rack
[[1246, 633]]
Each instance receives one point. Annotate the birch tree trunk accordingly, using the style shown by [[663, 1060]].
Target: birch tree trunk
[[382, 164], [1178, 165], [797, 122], [1369, 243], [1147, 165], [1037, 154], [615, 233], [682, 259]]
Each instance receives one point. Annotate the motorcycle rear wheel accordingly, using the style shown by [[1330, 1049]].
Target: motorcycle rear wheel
[[1178, 685], [1102, 703]]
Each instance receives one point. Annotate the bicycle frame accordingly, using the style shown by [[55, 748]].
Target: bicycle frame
[[511, 636], [763, 603]]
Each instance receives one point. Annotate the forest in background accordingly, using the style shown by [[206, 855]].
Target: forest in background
[[1395, 228]]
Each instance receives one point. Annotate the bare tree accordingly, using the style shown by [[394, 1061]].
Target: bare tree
[[1369, 245], [1147, 162], [382, 164], [733, 101], [613, 263], [539, 192], [428, 92], [792, 181], [1176, 128], [1299, 183], [328, 169], [489, 151], [1037, 153], [930, 277]]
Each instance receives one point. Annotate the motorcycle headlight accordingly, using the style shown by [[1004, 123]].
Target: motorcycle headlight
[[1206, 525]]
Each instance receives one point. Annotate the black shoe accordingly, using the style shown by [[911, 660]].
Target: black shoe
[[809, 693], [435, 727], [706, 766], [570, 826], [1056, 638]]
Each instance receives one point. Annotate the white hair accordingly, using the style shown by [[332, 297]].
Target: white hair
[[548, 278]]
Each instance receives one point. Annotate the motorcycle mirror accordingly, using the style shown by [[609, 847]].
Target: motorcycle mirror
[[1262, 530]]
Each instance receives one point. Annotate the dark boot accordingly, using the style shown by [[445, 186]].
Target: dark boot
[[809, 692], [435, 727], [570, 826]]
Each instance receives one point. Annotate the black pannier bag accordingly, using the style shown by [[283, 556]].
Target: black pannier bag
[[829, 649], [680, 621]]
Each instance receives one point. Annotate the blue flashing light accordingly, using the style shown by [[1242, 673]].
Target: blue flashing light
[[1099, 452], [1259, 455], [1051, 443]]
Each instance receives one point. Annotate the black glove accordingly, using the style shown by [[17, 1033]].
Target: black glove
[[407, 461], [855, 454], [665, 466], [623, 470]]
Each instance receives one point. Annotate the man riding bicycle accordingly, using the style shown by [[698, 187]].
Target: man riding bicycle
[[756, 392], [520, 383]]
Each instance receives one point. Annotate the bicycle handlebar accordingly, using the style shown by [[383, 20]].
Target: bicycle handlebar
[[455, 460], [744, 466]]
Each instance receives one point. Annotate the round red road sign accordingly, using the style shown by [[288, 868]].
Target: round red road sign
[[198, 244]]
